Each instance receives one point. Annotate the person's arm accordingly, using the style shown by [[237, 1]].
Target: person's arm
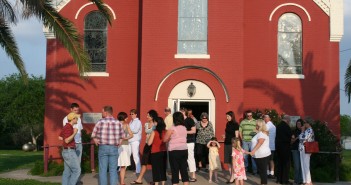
[[94, 134], [135, 127], [130, 133], [192, 131], [71, 137], [167, 136], [237, 134], [209, 144], [151, 138], [258, 145], [240, 132], [219, 146]]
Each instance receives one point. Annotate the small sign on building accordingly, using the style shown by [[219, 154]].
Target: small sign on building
[[293, 120], [91, 118]]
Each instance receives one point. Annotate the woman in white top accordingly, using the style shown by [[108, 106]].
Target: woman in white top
[[260, 149]]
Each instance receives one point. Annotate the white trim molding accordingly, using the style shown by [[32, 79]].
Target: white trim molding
[[335, 10], [291, 76], [88, 4], [289, 4], [192, 56], [96, 74], [59, 4]]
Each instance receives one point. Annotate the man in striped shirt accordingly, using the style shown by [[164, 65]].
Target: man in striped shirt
[[246, 131], [107, 134]]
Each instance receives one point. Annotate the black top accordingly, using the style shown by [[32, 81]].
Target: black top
[[189, 123], [283, 137], [230, 129], [295, 145]]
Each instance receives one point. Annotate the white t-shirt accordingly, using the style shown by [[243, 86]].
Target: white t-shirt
[[272, 132], [79, 126], [264, 149]]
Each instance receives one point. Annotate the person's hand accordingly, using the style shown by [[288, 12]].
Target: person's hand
[[60, 138], [96, 141]]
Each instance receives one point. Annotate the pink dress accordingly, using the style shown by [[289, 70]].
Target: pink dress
[[239, 166]]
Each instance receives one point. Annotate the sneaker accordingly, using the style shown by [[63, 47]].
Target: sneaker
[[271, 176]]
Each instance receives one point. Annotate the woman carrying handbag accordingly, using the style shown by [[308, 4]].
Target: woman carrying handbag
[[307, 135]]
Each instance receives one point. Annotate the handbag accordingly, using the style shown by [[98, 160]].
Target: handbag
[[311, 147]]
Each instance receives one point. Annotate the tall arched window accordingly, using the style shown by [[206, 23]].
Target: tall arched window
[[289, 44], [192, 26], [95, 40]]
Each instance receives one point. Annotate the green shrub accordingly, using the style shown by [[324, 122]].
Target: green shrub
[[345, 174], [25, 182], [54, 169], [38, 168]]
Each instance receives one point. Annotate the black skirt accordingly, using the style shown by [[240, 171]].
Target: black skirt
[[228, 153], [145, 159]]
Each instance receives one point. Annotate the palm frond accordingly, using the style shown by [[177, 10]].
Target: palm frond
[[348, 81], [7, 41], [63, 29], [7, 12], [103, 9]]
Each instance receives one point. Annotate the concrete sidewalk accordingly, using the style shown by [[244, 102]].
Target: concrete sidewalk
[[92, 178]]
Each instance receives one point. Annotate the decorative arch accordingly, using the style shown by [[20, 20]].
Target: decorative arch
[[88, 4], [289, 4], [193, 67]]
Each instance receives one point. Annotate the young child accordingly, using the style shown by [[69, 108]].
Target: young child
[[238, 172], [213, 158]]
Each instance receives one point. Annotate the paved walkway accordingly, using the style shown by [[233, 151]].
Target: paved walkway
[[92, 178]]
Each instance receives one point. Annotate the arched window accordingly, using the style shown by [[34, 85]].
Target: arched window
[[192, 27], [289, 44], [95, 40]]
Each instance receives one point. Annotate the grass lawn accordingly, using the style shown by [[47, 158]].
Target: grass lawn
[[25, 182], [346, 154], [17, 159], [345, 168]]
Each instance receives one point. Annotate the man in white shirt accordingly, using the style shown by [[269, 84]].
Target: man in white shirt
[[79, 127], [272, 132], [134, 142]]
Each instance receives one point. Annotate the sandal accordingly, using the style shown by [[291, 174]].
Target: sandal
[[136, 182]]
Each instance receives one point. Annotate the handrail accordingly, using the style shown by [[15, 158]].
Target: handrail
[[46, 155]]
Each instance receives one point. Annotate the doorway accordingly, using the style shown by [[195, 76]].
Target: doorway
[[197, 107]]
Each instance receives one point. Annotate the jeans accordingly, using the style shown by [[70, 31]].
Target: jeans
[[72, 169], [247, 147], [108, 156], [297, 166], [79, 151]]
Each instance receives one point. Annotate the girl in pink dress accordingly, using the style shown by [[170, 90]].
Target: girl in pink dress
[[238, 163]]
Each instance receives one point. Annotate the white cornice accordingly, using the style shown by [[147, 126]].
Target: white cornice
[[324, 5], [335, 10], [59, 4]]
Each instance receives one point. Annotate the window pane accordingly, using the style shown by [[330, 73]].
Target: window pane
[[192, 29], [192, 47], [192, 26], [95, 40], [289, 44]]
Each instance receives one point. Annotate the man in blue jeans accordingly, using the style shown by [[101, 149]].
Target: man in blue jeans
[[107, 134], [246, 132], [72, 169]]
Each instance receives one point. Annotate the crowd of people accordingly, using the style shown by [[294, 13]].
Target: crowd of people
[[182, 145]]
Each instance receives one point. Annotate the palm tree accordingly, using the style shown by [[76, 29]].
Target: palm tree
[[348, 81], [45, 11]]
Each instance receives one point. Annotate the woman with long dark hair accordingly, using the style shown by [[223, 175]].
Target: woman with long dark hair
[[145, 160], [231, 131], [158, 152], [296, 153]]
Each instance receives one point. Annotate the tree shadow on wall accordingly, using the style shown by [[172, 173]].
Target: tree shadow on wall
[[59, 98], [321, 106]]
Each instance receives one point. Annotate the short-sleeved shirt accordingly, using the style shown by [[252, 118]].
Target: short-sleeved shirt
[[189, 123], [108, 131], [168, 121], [264, 149], [178, 138], [67, 131], [79, 126], [246, 127], [272, 132], [204, 134], [230, 129]]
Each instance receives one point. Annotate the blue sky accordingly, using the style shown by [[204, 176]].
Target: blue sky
[[32, 45]]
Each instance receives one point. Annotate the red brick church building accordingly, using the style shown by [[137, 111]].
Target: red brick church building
[[210, 55]]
